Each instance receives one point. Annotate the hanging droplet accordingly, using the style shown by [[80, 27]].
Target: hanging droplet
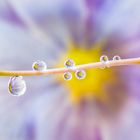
[[69, 63], [39, 66], [104, 59], [80, 74], [116, 58], [67, 76], [17, 86]]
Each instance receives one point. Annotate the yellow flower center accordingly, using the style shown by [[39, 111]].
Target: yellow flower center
[[93, 85]]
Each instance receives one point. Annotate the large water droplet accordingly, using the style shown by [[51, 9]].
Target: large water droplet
[[17, 86], [69, 63], [116, 58], [67, 76], [39, 66], [80, 74]]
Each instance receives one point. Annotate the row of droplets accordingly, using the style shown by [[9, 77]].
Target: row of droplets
[[104, 59], [69, 63], [17, 86], [81, 74]]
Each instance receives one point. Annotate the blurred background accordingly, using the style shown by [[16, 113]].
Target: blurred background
[[103, 106]]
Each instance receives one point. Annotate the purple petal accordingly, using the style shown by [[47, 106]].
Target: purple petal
[[8, 13], [94, 4]]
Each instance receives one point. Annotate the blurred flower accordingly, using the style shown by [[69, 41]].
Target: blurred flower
[[103, 106]]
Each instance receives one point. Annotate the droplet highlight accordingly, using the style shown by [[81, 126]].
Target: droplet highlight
[[39, 66], [69, 63], [80, 74], [17, 86], [67, 76], [116, 58]]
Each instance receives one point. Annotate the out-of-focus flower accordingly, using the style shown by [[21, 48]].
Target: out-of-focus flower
[[103, 106]]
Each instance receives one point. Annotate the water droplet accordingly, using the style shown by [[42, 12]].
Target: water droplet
[[39, 66], [104, 59], [80, 74], [17, 86], [116, 58], [69, 63], [67, 76]]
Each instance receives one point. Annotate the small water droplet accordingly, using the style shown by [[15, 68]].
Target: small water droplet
[[39, 66], [67, 76], [116, 58], [17, 86], [69, 63], [80, 74], [104, 59]]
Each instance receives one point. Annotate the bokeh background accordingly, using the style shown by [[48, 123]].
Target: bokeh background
[[103, 106]]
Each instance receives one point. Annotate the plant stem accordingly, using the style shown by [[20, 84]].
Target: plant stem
[[123, 62]]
